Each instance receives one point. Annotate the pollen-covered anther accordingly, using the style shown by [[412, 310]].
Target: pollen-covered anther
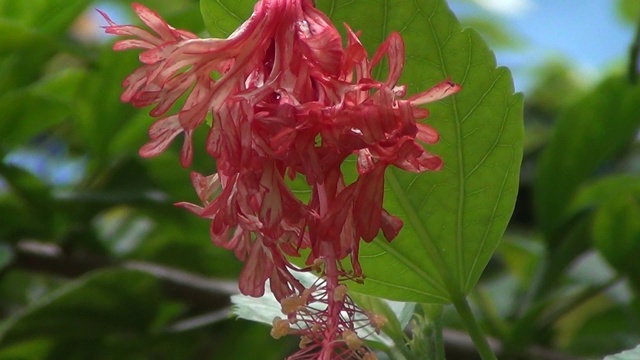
[[377, 321], [369, 356], [280, 328], [317, 266], [304, 342], [351, 338], [339, 293], [293, 304], [315, 328], [306, 294]]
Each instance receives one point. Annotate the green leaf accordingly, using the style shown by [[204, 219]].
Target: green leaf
[[28, 350], [616, 234], [6, 255], [30, 198], [32, 110], [455, 218], [629, 10], [495, 32], [632, 354], [99, 113], [97, 304], [51, 16], [521, 255], [16, 36], [587, 135], [222, 17], [605, 332], [593, 194]]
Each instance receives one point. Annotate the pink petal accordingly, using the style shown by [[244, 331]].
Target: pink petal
[[439, 91], [412, 157], [162, 132], [255, 271], [154, 21], [427, 134], [186, 154], [368, 204], [391, 225], [205, 186], [393, 47], [271, 209], [131, 44]]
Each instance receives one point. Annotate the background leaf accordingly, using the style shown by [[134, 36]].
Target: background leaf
[[629, 10], [626, 355], [587, 135], [616, 233], [91, 307]]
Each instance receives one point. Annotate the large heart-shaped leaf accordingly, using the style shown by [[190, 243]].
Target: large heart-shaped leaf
[[455, 218]]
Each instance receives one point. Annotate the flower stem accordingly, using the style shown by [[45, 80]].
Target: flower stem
[[436, 341], [634, 53], [482, 345]]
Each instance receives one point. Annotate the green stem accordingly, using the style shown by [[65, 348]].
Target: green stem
[[434, 313], [438, 338], [494, 322], [482, 345], [575, 302], [634, 52]]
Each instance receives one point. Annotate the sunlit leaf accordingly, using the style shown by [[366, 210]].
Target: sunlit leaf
[[455, 218], [222, 17], [629, 10], [496, 33]]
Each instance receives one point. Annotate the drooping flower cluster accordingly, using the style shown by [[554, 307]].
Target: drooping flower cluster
[[288, 101]]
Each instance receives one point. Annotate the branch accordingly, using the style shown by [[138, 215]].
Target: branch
[[196, 290]]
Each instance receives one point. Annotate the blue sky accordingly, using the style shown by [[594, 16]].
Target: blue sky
[[587, 33]]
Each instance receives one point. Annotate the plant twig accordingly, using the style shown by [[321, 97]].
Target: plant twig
[[634, 53], [194, 289], [476, 334]]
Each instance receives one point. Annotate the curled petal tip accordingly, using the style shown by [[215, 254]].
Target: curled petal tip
[[439, 91]]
